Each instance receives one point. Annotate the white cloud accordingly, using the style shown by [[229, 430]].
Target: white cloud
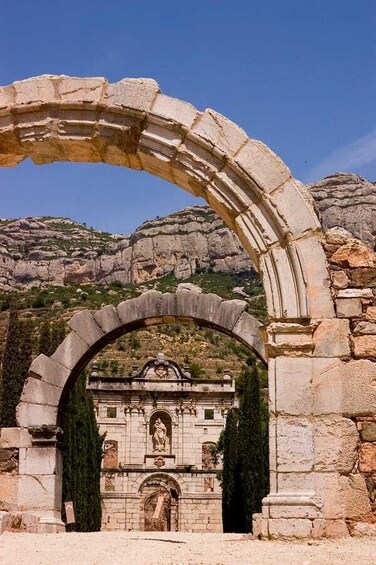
[[346, 159]]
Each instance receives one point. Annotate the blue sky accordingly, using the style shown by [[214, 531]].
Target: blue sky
[[298, 75]]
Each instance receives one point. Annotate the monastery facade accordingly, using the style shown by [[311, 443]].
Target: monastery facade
[[158, 468]]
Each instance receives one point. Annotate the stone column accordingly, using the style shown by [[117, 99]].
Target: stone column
[[314, 488], [40, 478], [292, 508]]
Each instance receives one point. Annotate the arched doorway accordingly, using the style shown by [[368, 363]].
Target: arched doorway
[[159, 504]]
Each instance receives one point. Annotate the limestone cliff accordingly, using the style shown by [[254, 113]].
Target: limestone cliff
[[347, 200], [56, 251]]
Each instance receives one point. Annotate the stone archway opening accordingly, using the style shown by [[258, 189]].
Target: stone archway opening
[[132, 124], [159, 504]]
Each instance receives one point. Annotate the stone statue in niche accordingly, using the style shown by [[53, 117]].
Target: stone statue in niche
[[160, 439]]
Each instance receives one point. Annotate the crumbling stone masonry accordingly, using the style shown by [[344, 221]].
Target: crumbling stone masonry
[[320, 344]]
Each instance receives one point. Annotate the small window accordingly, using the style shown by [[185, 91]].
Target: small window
[[209, 413], [111, 412]]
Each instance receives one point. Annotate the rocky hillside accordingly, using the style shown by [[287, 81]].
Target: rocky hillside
[[58, 251], [347, 200]]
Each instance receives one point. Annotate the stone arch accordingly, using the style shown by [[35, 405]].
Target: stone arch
[[131, 123], [50, 378]]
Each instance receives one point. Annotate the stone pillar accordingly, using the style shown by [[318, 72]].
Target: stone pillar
[[40, 478]]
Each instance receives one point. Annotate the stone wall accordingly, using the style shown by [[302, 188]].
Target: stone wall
[[352, 266], [199, 507]]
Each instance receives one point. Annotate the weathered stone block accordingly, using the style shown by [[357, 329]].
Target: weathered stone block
[[8, 460], [363, 277], [219, 132], [364, 346], [371, 313], [295, 482], [355, 498], [328, 489], [250, 331], [294, 394], [348, 307], [367, 458], [287, 529], [35, 414], [135, 93], [339, 279], [327, 385], [35, 90], [84, 324], [107, 318], [336, 529], [14, 437], [359, 388], [266, 169], [40, 492], [40, 392], [365, 328], [310, 253], [49, 370], [228, 313], [295, 451], [336, 441], [186, 302], [331, 339], [148, 305], [288, 198], [368, 432], [174, 109], [364, 530], [71, 351], [353, 254], [77, 89], [355, 293], [207, 306], [40, 461]]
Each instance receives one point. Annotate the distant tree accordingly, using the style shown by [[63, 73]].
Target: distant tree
[[16, 360], [250, 448], [230, 474], [196, 370], [26, 349], [82, 456], [45, 338], [57, 335]]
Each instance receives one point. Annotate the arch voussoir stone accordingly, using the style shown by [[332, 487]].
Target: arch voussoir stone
[[85, 325]]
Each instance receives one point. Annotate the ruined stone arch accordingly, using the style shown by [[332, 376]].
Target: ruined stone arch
[[131, 123], [50, 378]]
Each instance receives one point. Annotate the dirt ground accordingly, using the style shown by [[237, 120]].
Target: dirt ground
[[136, 548]]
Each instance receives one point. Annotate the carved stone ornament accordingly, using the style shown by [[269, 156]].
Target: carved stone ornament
[[159, 462]]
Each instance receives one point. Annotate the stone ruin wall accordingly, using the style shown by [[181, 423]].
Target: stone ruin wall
[[352, 267]]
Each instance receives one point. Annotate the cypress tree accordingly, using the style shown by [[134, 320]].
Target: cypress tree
[[45, 338], [82, 456], [250, 448], [11, 372], [57, 335], [230, 474], [26, 350]]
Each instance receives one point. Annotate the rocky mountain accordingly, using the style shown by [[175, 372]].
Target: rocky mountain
[[58, 251], [347, 200]]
